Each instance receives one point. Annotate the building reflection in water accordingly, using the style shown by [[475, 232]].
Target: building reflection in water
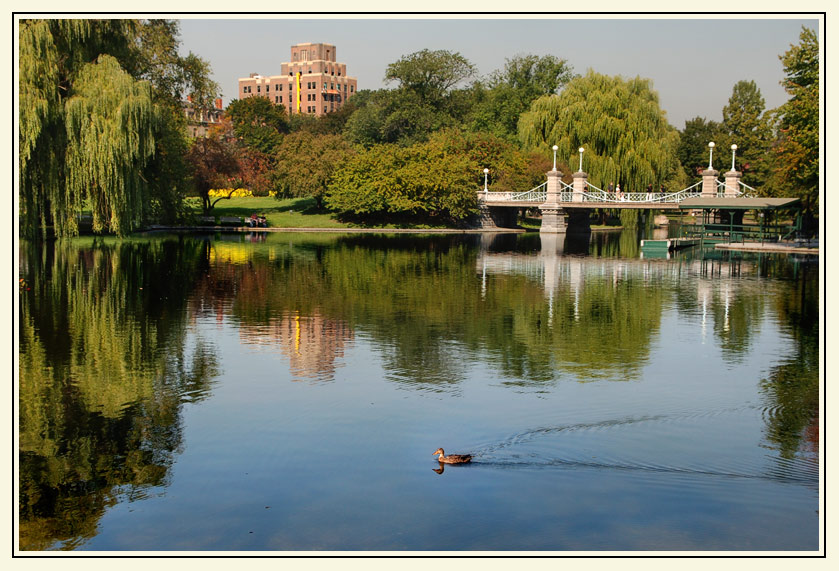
[[314, 345]]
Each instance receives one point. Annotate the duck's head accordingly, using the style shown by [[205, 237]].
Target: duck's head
[[439, 451]]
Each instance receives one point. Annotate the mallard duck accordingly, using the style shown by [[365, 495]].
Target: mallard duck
[[452, 458]]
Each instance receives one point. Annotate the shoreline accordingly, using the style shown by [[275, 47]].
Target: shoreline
[[243, 229]]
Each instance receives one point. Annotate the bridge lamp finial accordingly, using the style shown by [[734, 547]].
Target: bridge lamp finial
[[555, 149], [486, 172], [582, 150], [733, 152], [711, 157]]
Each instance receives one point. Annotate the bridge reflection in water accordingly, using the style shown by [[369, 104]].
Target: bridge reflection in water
[[562, 268]]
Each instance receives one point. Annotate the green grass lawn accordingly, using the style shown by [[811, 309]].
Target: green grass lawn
[[290, 213], [286, 213]]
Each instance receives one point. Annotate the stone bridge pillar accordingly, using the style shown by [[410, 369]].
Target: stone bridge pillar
[[709, 183], [732, 183], [553, 218], [580, 179]]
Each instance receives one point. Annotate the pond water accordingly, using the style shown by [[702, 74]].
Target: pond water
[[285, 392]]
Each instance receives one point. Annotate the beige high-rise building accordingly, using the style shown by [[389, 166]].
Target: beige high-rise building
[[313, 82]]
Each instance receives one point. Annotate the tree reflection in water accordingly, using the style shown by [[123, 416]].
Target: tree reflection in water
[[109, 354]]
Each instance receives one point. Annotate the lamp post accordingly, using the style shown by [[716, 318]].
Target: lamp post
[[711, 158], [555, 148], [733, 152], [582, 150], [486, 172]]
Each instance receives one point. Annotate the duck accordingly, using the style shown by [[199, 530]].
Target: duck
[[452, 458]]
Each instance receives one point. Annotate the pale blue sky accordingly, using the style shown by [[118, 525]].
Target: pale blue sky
[[693, 63]]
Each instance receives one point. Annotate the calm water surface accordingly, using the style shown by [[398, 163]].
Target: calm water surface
[[285, 392]]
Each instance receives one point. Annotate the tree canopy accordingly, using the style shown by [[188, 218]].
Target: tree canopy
[[100, 121], [500, 100], [305, 164], [744, 124], [390, 181], [430, 74], [258, 123], [693, 144], [618, 122], [796, 153]]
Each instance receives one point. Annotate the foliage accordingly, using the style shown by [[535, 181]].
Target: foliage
[[258, 123], [744, 124], [423, 102], [305, 163], [173, 76], [618, 122], [394, 116], [129, 152], [693, 152], [256, 171], [508, 93], [795, 157], [510, 169], [430, 74], [213, 161], [387, 180], [110, 136], [332, 123]]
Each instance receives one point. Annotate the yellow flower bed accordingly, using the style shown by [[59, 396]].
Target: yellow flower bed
[[238, 193]]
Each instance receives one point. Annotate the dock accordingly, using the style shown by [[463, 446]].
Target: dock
[[668, 245]]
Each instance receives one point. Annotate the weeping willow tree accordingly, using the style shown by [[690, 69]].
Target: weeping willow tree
[[100, 122], [52, 53], [619, 123], [111, 123]]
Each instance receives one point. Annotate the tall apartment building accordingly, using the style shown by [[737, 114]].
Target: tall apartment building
[[313, 82]]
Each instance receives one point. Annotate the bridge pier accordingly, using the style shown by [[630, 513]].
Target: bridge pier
[[553, 217], [498, 217]]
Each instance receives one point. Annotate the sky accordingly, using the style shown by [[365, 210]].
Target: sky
[[693, 63]]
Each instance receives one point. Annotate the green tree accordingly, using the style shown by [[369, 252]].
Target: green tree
[[258, 123], [430, 74], [510, 169], [305, 163], [111, 124], [395, 116], [509, 92], [619, 123], [135, 164], [795, 156], [744, 124], [693, 151], [421, 181]]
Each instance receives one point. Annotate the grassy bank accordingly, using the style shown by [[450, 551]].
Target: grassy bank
[[290, 213]]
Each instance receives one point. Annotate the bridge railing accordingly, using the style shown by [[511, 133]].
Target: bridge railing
[[600, 195], [595, 194]]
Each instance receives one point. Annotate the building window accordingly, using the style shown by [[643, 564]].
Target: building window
[[351, 88], [281, 98], [258, 88], [324, 108]]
